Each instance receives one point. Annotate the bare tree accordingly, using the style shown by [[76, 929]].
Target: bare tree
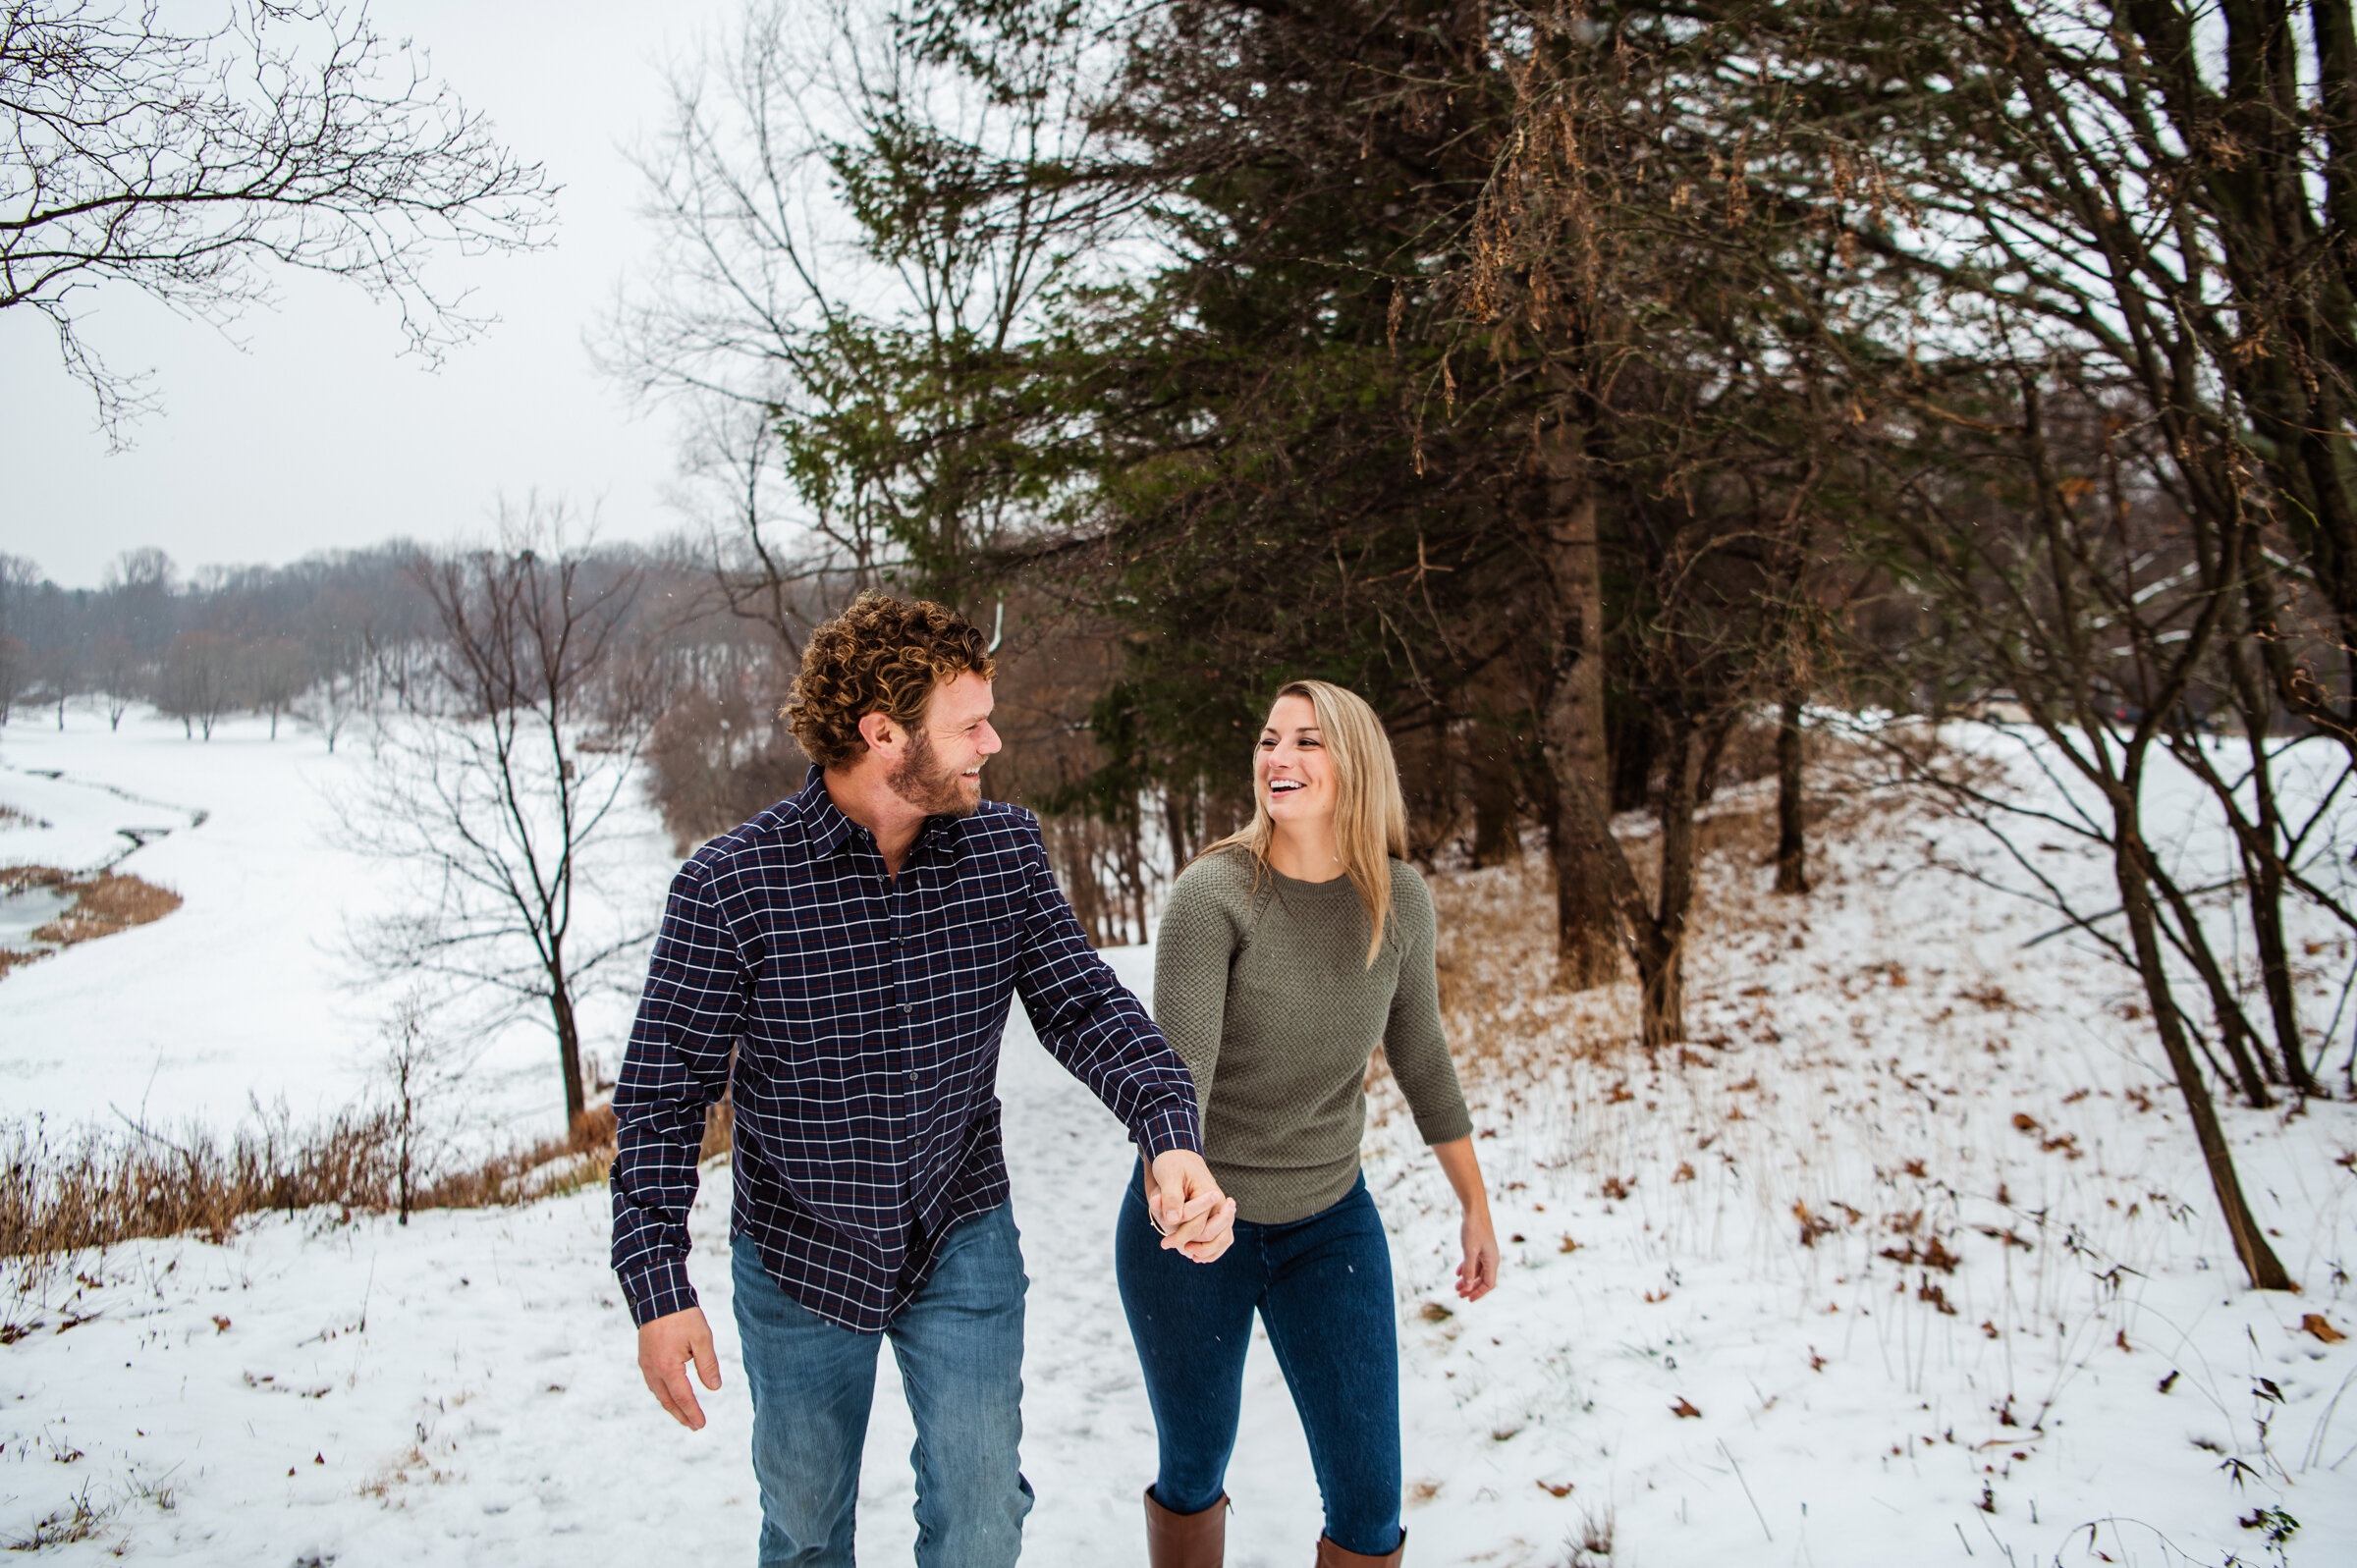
[[416, 1067], [195, 680], [14, 665], [497, 771], [184, 164], [333, 701], [273, 672], [115, 673], [808, 304], [60, 678]]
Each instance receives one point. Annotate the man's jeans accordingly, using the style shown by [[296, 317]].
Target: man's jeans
[[961, 1348]]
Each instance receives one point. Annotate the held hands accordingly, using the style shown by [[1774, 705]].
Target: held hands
[[1195, 1218], [665, 1346]]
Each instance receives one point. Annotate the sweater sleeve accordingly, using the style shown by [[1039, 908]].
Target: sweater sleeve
[[1412, 1042], [1192, 952]]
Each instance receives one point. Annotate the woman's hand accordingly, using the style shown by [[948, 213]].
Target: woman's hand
[[1196, 1220], [1477, 1276]]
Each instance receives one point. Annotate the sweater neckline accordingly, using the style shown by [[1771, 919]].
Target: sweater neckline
[[1343, 881]]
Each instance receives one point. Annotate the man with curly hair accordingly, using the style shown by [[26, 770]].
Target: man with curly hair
[[842, 966]]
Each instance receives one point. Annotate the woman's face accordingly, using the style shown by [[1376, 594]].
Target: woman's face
[[1291, 770]]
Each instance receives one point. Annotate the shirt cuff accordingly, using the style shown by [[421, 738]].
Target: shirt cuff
[[1169, 1127], [657, 1290]]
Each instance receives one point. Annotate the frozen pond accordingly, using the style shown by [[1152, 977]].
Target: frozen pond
[[26, 910]]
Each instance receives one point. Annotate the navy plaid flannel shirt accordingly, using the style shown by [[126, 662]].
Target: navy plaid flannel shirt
[[865, 1016]]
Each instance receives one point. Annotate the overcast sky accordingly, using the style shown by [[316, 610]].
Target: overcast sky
[[313, 430]]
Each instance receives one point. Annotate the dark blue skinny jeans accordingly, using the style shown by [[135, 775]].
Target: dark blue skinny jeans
[[1323, 1286]]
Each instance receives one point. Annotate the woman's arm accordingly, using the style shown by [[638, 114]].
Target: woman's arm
[[1477, 1276], [1191, 954]]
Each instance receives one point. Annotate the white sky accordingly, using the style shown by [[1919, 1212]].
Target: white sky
[[313, 430]]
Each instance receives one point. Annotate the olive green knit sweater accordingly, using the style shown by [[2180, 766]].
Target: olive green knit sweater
[[1267, 996]]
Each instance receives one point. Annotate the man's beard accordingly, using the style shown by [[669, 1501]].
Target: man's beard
[[920, 782]]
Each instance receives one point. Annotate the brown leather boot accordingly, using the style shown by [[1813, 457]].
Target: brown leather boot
[[1185, 1541], [1330, 1556]]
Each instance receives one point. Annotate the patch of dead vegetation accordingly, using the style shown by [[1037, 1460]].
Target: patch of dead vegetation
[[1506, 1021], [104, 902], [98, 1188], [11, 817]]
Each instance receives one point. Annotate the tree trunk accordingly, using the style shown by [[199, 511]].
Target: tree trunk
[[1494, 842], [1178, 821], [1660, 944], [1791, 843], [2135, 898], [569, 1050], [1573, 724], [2264, 866], [2234, 1030]]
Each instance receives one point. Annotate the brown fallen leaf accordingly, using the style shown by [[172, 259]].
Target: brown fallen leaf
[[1684, 1407], [2314, 1324], [1554, 1491], [220, 1324]]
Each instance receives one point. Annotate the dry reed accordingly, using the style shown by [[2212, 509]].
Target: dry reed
[[95, 1188], [104, 903]]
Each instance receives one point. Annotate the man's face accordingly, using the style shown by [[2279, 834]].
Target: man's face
[[941, 772]]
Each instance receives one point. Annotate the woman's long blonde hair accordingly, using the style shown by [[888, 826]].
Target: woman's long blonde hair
[[1370, 817]]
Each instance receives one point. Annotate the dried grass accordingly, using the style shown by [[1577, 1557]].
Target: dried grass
[[1506, 1019], [96, 1188], [104, 903]]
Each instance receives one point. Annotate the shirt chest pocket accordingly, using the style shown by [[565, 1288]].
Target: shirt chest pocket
[[980, 941]]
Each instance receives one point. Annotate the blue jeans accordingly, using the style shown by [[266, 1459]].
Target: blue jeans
[[961, 1348], [1323, 1285]]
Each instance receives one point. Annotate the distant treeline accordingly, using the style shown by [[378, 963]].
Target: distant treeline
[[335, 637]]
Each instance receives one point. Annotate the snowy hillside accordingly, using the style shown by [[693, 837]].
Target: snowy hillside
[[1908, 1258], [246, 993]]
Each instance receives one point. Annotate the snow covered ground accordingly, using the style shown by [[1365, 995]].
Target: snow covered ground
[[1725, 1332], [246, 993]]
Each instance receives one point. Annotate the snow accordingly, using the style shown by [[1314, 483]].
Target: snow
[[247, 993], [463, 1391]]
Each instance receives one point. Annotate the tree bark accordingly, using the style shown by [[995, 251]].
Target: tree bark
[[1791, 843], [2259, 1261], [2234, 1030], [1492, 764], [2264, 865], [1660, 944], [1587, 929], [569, 1052]]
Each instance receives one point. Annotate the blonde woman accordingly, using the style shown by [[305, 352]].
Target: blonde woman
[[1288, 953]]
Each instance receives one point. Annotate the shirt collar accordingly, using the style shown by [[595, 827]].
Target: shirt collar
[[830, 831]]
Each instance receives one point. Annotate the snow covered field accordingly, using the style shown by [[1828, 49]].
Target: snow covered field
[[246, 993], [1811, 1292]]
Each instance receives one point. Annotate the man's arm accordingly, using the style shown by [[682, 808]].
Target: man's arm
[[1092, 1024], [689, 1017]]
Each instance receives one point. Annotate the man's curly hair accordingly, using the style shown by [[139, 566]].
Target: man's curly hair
[[882, 655]]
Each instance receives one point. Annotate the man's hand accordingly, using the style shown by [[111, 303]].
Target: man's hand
[[665, 1346], [1196, 1218]]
